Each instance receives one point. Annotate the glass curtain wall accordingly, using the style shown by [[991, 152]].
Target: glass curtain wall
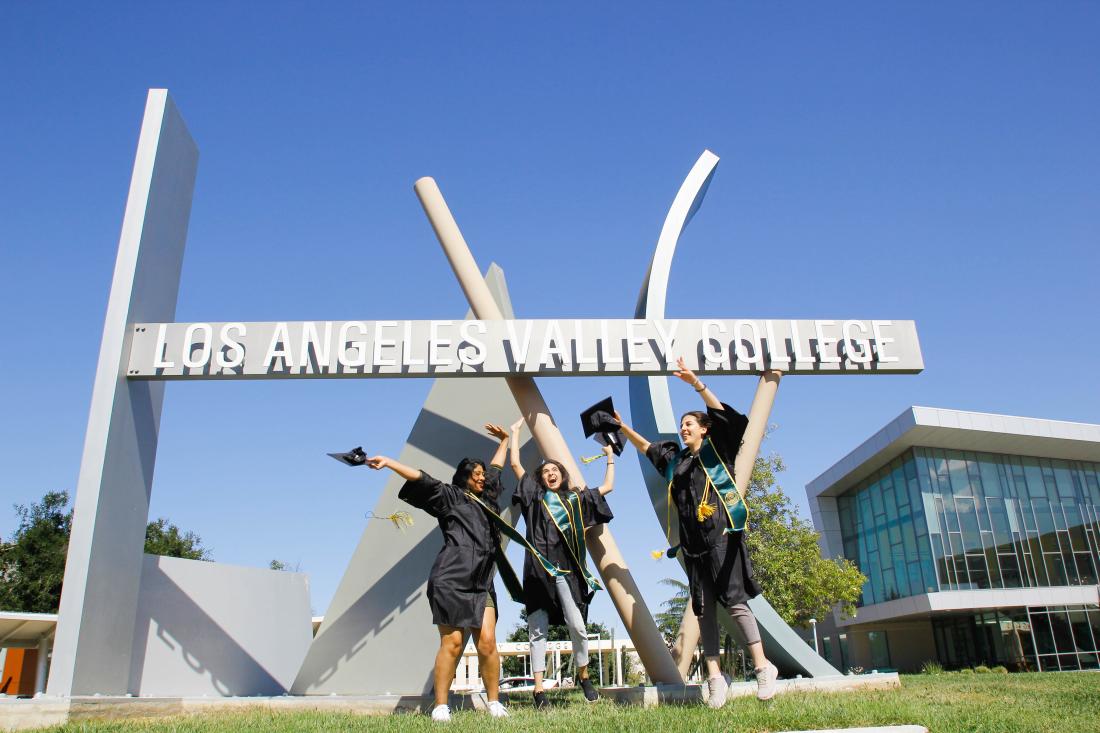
[[935, 519], [1022, 639], [998, 521], [885, 532]]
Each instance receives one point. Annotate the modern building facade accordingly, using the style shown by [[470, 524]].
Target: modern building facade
[[979, 535]]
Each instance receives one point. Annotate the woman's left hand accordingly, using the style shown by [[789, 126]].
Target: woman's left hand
[[684, 373], [496, 431], [607, 450]]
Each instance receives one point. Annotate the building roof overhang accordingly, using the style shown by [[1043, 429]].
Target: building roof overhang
[[944, 602], [25, 629], [933, 427]]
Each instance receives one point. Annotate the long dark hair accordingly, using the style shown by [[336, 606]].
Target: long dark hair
[[564, 474], [466, 467], [700, 417]]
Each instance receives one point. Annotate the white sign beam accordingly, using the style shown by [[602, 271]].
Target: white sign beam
[[472, 348]]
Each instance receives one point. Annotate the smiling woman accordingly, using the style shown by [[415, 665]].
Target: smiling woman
[[460, 586]]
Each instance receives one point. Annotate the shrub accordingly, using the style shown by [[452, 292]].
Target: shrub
[[931, 666], [966, 670], [981, 669], [999, 669]]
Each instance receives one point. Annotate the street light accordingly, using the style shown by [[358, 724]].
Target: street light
[[813, 630]]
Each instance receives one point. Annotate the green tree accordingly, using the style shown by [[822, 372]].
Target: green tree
[[798, 582], [668, 620], [32, 561], [162, 538]]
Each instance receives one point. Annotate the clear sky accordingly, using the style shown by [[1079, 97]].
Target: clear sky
[[934, 162]]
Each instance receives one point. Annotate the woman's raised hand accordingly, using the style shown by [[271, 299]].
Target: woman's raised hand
[[607, 450], [684, 373], [518, 425], [378, 462], [496, 431]]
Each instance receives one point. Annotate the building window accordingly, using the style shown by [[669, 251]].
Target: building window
[[1021, 639], [936, 519], [880, 650]]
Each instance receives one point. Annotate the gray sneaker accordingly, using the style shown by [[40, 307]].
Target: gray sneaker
[[765, 682], [718, 690]]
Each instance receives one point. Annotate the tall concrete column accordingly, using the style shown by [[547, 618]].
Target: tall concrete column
[[688, 638], [99, 600], [621, 588]]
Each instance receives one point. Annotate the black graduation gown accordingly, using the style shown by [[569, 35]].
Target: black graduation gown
[[704, 546], [544, 535], [462, 577]]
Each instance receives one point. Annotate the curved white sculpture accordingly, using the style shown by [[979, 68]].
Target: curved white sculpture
[[652, 414]]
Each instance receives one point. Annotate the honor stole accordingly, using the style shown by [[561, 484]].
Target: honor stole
[[569, 519], [507, 574], [718, 477]]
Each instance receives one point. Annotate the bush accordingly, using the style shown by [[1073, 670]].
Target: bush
[[999, 669], [966, 670], [931, 666], [981, 669]]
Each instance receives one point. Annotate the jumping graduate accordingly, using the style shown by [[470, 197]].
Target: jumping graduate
[[557, 585], [460, 586], [712, 513]]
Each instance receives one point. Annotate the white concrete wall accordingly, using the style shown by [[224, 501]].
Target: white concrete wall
[[205, 628]]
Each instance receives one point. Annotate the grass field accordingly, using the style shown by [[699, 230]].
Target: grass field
[[945, 703]]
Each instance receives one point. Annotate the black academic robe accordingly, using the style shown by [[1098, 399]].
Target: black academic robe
[[538, 586], [462, 577], [705, 548]]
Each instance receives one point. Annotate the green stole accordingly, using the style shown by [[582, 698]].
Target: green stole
[[569, 519], [507, 574], [721, 479]]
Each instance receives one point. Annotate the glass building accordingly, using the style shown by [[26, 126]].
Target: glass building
[[979, 536]]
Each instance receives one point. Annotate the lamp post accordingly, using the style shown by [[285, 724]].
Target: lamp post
[[813, 630]]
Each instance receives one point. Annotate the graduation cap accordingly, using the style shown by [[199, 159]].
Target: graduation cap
[[354, 457], [599, 420]]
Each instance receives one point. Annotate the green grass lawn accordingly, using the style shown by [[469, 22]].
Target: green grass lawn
[[945, 703]]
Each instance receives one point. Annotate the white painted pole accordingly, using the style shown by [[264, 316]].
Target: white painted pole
[[621, 588], [42, 664]]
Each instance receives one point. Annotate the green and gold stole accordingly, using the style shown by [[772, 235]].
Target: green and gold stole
[[507, 574], [718, 477], [569, 519]]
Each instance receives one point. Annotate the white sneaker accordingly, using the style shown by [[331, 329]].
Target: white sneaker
[[765, 682], [497, 710], [718, 689], [441, 714]]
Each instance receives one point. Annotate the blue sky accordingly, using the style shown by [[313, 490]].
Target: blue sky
[[934, 162]]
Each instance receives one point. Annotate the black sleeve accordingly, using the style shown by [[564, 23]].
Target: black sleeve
[[528, 492], [660, 454], [492, 483], [595, 508], [429, 494], [727, 429]]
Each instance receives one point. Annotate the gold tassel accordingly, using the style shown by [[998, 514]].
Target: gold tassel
[[400, 519], [657, 554], [704, 511]]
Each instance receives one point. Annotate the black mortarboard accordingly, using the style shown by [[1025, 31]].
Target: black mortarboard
[[354, 457], [599, 420]]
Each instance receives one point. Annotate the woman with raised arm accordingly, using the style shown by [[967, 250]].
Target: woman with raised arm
[[460, 585], [557, 585], [712, 517]]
